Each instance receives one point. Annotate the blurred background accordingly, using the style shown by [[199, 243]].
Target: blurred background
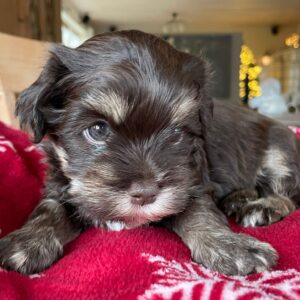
[[253, 45]]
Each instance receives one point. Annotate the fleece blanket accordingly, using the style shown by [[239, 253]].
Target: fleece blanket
[[145, 263]]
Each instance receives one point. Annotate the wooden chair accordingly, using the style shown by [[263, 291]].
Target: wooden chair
[[21, 61]]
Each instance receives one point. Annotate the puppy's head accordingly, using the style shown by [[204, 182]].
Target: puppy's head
[[126, 114]]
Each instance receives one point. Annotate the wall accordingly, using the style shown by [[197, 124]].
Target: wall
[[9, 17], [258, 38], [34, 19]]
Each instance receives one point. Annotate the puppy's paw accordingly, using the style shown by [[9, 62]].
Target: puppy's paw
[[234, 254], [250, 211], [234, 202], [265, 211], [27, 251]]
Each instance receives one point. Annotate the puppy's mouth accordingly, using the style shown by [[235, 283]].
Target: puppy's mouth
[[137, 218], [133, 215], [140, 216]]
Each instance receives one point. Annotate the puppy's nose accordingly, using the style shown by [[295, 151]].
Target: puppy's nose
[[143, 193]]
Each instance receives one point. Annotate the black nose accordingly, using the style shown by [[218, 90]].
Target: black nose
[[143, 193]]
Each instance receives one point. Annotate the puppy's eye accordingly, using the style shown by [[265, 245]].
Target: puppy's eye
[[98, 133], [177, 135]]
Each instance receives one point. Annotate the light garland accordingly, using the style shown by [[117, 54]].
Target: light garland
[[249, 73], [293, 41]]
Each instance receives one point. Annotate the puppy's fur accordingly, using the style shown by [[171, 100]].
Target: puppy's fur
[[163, 136]]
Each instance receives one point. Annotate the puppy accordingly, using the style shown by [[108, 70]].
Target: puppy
[[132, 139]]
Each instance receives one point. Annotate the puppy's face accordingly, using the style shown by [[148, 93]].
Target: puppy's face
[[122, 113], [129, 159]]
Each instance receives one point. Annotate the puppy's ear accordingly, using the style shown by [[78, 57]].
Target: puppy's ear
[[205, 110], [39, 106], [200, 73]]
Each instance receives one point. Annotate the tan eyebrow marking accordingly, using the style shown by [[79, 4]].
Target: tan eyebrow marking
[[110, 105]]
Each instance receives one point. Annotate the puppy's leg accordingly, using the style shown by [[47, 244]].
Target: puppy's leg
[[40, 241], [250, 210], [204, 230]]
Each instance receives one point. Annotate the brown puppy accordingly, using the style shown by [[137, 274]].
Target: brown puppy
[[133, 140]]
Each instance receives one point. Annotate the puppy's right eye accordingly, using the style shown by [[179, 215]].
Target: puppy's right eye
[[98, 133]]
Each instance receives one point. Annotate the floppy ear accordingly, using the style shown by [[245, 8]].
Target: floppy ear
[[39, 106], [200, 73], [205, 111]]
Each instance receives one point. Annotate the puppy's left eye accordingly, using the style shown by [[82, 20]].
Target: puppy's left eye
[[98, 133], [177, 130], [177, 135]]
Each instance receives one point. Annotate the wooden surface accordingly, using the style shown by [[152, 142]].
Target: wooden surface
[[21, 61]]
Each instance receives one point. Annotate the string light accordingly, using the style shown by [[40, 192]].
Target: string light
[[293, 41], [249, 73]]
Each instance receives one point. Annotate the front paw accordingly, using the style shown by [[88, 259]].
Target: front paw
[[29, 251], [234, 254]]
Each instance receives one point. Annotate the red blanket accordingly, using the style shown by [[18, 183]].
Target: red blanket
[[148, 263]]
